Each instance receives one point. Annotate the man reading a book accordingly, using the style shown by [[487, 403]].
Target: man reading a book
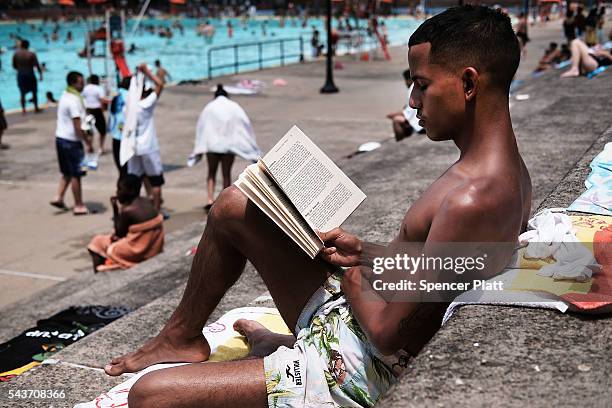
[[348, 351]]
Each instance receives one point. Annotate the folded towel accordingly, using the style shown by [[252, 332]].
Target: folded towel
[[526, 288], [128, 139], [551, 236]]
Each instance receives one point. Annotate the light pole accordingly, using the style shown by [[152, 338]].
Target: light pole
[[329, 86]]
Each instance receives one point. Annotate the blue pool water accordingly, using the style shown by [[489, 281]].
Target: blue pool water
[[184, 56]]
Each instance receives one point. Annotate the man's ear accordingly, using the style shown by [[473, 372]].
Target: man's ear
[[470, 78]]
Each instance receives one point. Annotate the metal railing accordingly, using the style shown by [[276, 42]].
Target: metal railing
[[261, 59], [356, 43]]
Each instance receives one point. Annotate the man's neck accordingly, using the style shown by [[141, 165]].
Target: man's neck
[[489, 131]]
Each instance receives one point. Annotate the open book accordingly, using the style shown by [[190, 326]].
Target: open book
[[301, 190]]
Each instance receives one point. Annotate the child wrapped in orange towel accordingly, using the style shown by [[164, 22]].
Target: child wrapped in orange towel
[[138, 234]]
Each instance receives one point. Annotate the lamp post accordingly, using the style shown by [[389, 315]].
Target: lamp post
[[329, 86]]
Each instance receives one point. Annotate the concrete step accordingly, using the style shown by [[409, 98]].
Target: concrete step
[[133, 287]]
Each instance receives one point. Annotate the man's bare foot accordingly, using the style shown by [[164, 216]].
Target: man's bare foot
[[570, 73], [262, 342], [163, 348]]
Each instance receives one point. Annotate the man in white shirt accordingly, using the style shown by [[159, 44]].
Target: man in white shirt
[[405, 122], [69, 138], [95, 100], [146, 161]]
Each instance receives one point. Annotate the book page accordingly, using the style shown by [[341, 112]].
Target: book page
[[262, 202], [320, 191], [279, 202]]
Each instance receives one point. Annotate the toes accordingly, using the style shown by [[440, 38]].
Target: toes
[[114, 369], [239, 326]]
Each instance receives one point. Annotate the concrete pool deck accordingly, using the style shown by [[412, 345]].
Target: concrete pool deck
[[29, 173]]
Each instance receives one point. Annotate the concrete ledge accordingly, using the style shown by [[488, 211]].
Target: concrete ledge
[[572, 184], [505, 356]]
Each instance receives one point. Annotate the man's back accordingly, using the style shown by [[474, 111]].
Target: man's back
[[93, 95], [24, 61]]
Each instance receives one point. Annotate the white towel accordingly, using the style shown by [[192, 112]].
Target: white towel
[[551, 236], [224, 127], [217, 334], [128, 137]]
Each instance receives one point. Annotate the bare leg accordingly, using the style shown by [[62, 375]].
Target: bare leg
[[236, 231], [400, 128], [23, 104], [96, 259], [581, 60], [156, 193], [213, 162], [147, 186], [61, 189], [102, 139], [75, 184], [35, 99], [233, 384], [226, 169]]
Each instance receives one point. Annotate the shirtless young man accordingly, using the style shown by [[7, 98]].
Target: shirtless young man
[[129, 208], [347, 349], [24, 62]]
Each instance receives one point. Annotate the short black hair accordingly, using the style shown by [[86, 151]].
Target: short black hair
[[25, 44], [157, 62], [93, 79], [406, 75], [475, 36], [220, 91], [130, 185], [73, 77]]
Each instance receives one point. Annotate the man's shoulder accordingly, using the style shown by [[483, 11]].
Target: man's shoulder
[[477, 196]]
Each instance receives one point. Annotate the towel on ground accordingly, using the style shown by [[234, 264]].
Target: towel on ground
[[225, 344], [597, 199], [524, 287], [553, 248], [224, 127], [143, 241]]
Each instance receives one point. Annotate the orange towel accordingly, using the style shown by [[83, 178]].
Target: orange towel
[[600, 294], [143, 241]]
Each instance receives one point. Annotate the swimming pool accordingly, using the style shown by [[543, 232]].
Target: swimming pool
[[184, 56]]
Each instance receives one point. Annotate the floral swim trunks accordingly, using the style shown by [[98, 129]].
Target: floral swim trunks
[[332, 364]]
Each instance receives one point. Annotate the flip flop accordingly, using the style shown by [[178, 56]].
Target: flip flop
[[59, 204], [81, 212]]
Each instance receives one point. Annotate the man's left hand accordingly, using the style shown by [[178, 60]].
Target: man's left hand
[[341, 248]]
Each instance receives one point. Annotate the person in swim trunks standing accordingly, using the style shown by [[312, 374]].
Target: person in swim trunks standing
[[24, 61]]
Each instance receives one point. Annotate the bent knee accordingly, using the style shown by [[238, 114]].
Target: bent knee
[[142, 393], [230, 204]]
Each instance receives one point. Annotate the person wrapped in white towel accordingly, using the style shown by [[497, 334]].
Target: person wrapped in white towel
[[223, 131]]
